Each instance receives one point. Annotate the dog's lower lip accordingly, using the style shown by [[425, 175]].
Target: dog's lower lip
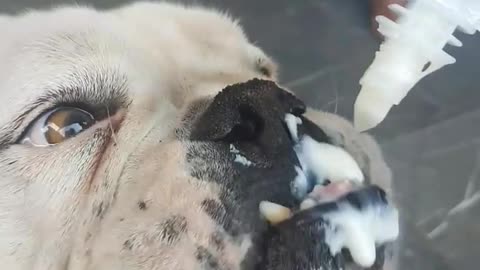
[[285, 217]]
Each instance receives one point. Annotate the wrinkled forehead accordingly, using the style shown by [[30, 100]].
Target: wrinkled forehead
[[127, 50]]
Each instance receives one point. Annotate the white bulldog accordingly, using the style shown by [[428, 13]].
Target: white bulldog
[[145, 137]]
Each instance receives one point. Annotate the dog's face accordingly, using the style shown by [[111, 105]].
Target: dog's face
[[119, 149]]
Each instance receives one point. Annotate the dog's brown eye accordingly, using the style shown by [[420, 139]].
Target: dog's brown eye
[[58, 125]]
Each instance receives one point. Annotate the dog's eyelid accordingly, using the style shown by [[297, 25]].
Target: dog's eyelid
[[100, 106], [56, 125]]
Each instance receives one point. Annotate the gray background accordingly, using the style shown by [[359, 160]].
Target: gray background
[[431, 141]]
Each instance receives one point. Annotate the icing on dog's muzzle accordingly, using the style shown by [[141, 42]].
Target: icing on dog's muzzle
[[341, 220], [355, 228], [316, 211]]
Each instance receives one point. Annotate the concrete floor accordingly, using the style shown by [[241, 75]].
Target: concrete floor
[[432, 140]]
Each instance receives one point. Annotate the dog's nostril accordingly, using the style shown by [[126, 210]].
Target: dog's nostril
[[249, 128], [246, 111]]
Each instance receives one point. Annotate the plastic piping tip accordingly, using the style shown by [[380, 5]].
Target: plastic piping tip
[[362, 122], [369, 110]]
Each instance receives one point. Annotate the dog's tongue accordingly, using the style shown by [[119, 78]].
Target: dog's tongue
[[328, 193], [275, 213]]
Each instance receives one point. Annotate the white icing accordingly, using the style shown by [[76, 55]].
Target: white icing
[[322, 160], [242, 160], [233, 149], [326, 161], [300, 184], [292, 122], [360, 231], [239, 158]]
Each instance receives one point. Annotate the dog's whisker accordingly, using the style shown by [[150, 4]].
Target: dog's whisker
[[334, 101], [335, 90], [472, 184], [460, 209], [311, 77], [110, 125]]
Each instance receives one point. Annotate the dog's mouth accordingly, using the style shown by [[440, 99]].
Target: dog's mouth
[[312, 193], [357, 217]]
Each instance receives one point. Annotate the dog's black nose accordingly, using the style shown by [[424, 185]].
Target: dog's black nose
[[252, 112], [241, 111]]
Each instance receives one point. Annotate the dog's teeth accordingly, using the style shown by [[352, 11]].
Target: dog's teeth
[[274, 213], [307, 203]]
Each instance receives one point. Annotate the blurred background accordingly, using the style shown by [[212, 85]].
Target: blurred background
[[431, 141]]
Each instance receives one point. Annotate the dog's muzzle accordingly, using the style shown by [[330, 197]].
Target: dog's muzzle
[[250, 114], [345, 224]]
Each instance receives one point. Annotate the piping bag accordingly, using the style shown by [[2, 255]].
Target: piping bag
[[412, 49]]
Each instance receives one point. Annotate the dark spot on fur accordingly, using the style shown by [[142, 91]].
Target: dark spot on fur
[[173, 227], [216, 239], [121, 219], [117, 187], [12, 162], [213, 208], [4, 144], [142, 205], [89, 235], [128, 245], [99, 210], [219, 214], [206, 258]]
